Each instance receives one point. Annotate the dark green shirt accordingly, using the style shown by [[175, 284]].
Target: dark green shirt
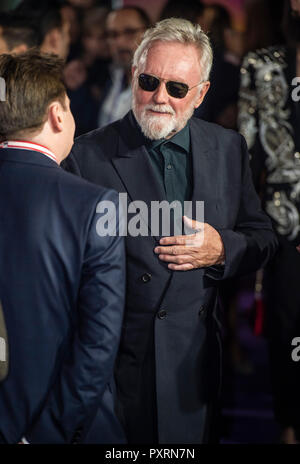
[[172, 162]]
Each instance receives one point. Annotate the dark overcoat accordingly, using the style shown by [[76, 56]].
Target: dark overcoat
[[168, 369]]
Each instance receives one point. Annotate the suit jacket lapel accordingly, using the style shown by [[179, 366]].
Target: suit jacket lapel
[[138, 176], [135, 170], [205, 175]]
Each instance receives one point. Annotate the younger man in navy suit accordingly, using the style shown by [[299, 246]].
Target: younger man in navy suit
[[61, 283]]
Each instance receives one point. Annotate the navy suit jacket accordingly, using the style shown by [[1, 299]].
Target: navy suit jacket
[[62, 291], [168, 367]]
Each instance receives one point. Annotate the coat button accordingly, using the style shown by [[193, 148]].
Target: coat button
[[75, 439], [202, 308], [162, 314], [77, 435], [146, 277]]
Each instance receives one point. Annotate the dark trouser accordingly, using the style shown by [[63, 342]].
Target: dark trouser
[[137, 407], [137, 396]]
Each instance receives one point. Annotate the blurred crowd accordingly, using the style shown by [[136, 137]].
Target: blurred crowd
[[97, 41], [249, 92]]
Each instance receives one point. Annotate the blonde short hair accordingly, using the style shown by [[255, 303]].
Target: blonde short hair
[[177, 30]]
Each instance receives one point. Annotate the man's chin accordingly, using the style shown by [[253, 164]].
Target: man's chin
[[157, 131], [158, 121], [158, 114]]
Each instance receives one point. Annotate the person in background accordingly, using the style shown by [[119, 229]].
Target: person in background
[[52, 29], [93, 39], [191, 10], [73, 16], [220, 106], [263, 24], [269, 118], [87, 73], [124, 30], [62, 284], [16, 35], [83, 4]]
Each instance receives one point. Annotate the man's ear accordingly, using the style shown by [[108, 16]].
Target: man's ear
[[55, 116], [204, 89]]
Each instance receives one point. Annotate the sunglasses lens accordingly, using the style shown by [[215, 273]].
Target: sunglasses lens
[[177, 89], [148, 83]]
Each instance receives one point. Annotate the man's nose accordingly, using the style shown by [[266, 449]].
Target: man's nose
[[160, 95]]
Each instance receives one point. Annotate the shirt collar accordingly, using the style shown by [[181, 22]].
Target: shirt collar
[[31, 146], [181, 139]]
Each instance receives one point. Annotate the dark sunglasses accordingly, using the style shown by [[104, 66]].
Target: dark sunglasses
[[175, 89]]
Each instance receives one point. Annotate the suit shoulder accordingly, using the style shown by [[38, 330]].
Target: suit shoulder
[[97, 141], [228, 146], [82, 188], [214, 132]]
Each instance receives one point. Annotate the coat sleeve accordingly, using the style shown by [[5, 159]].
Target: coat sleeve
[[75, 396], [252, 242]]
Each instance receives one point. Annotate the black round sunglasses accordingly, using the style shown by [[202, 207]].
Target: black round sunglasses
[[175, 89]]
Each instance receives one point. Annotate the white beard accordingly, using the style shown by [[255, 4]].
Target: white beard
[[156, 127]]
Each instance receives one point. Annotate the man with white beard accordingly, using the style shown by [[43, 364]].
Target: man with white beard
[[168, 367]]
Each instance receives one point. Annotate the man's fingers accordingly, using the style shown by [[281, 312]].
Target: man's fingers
[[173, 240], [181, 259], [172, 250], [181, 267]]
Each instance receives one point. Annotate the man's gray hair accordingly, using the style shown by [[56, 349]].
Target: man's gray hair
[[177, 30]]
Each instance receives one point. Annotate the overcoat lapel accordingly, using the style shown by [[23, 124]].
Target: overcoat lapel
[[205, 172], [138, 176], [134, 168]]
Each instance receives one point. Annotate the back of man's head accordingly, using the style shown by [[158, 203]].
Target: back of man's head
[[32, 82], [143, 16], [16, 34]]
